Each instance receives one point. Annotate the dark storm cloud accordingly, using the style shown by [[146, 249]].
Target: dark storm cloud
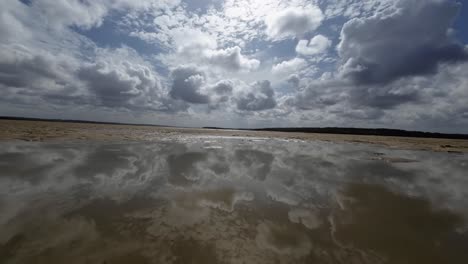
[[186, 85], [259, 96], [412, 40]]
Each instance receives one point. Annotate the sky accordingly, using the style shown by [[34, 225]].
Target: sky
[[238, 63]]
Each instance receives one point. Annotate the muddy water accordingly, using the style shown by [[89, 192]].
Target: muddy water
[[227, 200]]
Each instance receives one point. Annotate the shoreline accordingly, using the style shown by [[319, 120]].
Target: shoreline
[[39, 131]]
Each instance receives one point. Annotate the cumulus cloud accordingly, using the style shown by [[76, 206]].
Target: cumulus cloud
[[49, 67], [413, 39], [231, 59], [293, 22], [397, 62], [294, 80], [202, 48], [191, 85], [192, 42], [112, 81], [221, 93], [256, 97], [120, 78], [187, 83], [345, 95], [222, 90], [289, 66], [26, 69], [433, 102], [223, 87], [316, 45], [124, 85], [29, 77], [437, 101]]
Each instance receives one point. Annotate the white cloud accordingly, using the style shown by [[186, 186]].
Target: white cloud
[[201, 48], [12, 24], [235, 24], [187, 84], [59, 14], [318, 44], [293, 22], [192, 41], [289, 67], [231, 59]]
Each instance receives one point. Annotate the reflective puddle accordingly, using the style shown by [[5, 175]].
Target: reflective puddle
[[230, 200]]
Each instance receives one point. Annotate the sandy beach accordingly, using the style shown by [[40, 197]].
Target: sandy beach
[[48, 131], [93, 193]]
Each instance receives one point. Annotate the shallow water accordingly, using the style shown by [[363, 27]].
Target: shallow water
[[230, 200]]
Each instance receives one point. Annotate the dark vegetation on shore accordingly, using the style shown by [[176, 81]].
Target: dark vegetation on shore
[[359, 131], [320, 130]]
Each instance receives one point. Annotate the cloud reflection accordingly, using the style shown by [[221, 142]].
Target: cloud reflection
[[261, 202]]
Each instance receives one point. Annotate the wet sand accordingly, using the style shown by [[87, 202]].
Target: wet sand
[[210, 199], [53, 131]]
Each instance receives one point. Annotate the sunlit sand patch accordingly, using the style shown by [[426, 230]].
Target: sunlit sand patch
[[213, 147]]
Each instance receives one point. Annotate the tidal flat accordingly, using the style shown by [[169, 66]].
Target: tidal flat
[[230, 199]]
